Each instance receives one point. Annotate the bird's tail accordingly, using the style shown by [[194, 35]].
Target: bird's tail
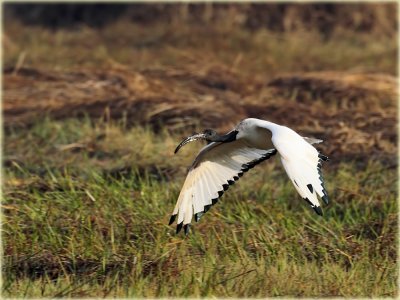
[[312, 140]]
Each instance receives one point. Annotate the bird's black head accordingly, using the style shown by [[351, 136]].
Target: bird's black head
[[209, 135]]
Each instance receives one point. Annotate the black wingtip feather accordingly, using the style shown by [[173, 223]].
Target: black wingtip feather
[[318, 210], [310, 188], [308, 201], [186, 228], [207, 207], [172, 219], [325, 198], [179, 227], [197, 216]]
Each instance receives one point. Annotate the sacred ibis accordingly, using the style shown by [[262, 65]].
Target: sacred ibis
[[227, 157]]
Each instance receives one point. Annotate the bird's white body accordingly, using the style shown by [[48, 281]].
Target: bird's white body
[[219, 165]]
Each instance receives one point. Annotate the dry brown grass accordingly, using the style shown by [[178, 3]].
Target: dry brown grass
[[354, 112]]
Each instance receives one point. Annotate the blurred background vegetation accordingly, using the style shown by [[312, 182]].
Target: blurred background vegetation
[[375, 18], [96, 97]]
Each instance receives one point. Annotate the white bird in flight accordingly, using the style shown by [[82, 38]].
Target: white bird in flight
[[226, 158]]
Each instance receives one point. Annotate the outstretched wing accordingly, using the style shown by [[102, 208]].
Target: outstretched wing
[[305, 173], [216, 167]]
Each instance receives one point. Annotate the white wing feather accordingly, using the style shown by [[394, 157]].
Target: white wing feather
[[217, 166], [302, 163]]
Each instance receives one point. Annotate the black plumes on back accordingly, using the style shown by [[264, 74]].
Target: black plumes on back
[[322, 157]]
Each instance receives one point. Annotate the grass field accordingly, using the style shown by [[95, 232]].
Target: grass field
[[73, 226], [87, 197], [90, 219]]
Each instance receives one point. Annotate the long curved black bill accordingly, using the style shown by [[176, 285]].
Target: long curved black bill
[[197, 136]]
